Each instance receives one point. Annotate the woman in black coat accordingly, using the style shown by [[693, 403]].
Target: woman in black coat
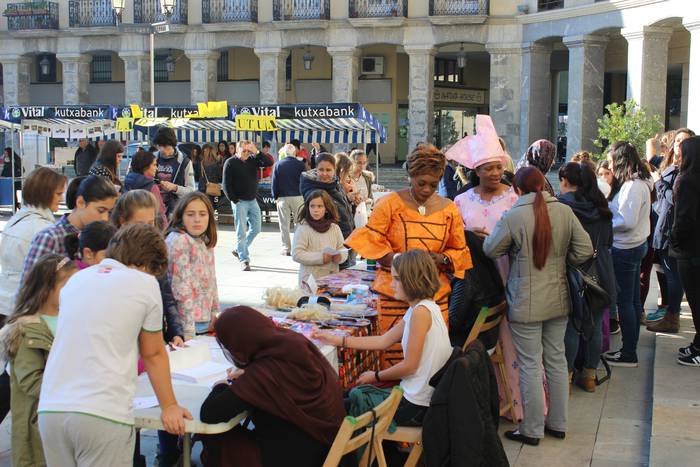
[[579, 191], [323, 178], [684, 245]]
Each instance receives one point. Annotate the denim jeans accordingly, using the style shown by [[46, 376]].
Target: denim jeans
[[674, 286], [627, 264], [248, 219], [592, 347]]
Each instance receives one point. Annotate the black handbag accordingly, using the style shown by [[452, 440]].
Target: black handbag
[[588, 297]]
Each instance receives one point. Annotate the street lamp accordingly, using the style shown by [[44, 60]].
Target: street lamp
[[45, 66], [167, 7], [308, 59], [461, 57]]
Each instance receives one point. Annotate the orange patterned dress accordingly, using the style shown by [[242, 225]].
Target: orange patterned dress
[[393, 227]]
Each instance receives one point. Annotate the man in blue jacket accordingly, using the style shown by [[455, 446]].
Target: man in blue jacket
[[285, 191]]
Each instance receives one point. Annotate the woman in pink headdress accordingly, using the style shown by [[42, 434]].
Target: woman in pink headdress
[[482, 206]]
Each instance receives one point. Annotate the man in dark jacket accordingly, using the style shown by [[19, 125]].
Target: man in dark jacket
[[85, 156], [241, 188], [285, 191]]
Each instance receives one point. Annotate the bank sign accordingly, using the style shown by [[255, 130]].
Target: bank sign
[[301, 111], [16, 114]]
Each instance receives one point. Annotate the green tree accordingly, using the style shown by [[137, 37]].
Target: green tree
[[627, 122]]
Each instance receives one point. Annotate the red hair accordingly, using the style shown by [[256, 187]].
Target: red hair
[[531, 180]]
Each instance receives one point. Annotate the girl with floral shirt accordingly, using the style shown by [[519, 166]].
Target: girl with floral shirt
[[191, 268]]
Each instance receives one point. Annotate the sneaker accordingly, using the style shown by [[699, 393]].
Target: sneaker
[[245, 266], [686, 351], [617, 359], [614, 326], [285, 252], [658, 315], [235, 253], [691, 360]]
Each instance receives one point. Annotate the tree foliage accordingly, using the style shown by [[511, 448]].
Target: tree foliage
[[627, 122]]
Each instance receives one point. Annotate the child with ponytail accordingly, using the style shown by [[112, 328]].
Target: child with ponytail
[[541, 235]]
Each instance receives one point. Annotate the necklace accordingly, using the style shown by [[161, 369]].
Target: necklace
[[421, 207]]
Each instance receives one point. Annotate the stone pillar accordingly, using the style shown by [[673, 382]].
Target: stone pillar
[[272, 69], [128, 12], [694, 76], [137, 78], [586, 77], [536, 100], [504, 94], [647, 66], [16, 78], [76, 77], [202, 75], [194, 12], [421, 68], [684, 96], [346, 68]]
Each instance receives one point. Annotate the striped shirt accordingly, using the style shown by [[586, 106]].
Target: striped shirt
[[50, 240]]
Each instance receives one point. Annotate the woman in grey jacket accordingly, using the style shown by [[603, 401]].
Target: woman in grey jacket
[[539, 247]]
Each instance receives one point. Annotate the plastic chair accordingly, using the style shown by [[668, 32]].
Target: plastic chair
[[490, 318], [345, 442]]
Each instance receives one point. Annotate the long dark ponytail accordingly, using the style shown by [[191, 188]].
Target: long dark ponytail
[[530, 180]]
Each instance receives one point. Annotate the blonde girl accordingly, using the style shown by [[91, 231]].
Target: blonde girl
[[25, 342], [191, 239]]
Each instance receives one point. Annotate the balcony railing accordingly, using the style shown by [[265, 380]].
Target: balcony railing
[[148, 11], [458, 7], [286, 10], [229, 11], [91, 13], [32, 15], [544, 5], [378, 8]]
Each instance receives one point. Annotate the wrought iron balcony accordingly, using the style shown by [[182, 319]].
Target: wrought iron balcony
[[286, 10], [32, 15], [544, 5], [458, 7], [148, 11], [229, 11], [378, 8], [91, 13]]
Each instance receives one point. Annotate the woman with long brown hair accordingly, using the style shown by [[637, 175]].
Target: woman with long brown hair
[[107, 163], [541, 235]]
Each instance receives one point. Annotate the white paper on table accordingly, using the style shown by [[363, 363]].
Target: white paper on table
[[310, 282], [202, 373], [334, 252], [145, 402]]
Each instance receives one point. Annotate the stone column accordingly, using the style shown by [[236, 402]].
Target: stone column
[[16, 78], [202, 75], [76, 77], [536, 97], [346, 68], [586, 77], [647, 66], [272, 69], [421, 68], [694, 76], [504, 94], [137, 78]]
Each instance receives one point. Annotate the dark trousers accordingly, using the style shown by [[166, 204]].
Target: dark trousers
[[689, 270], [4, 395]]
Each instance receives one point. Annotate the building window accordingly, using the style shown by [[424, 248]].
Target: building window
[[49, 62], [544, 5], [447, 72], [101, 69], [160, 68], [288, 72], [222, 67]]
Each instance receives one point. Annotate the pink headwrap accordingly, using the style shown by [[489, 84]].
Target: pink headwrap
[[479, 149]]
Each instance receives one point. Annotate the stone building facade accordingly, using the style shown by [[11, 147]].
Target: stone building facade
[[541, 68]]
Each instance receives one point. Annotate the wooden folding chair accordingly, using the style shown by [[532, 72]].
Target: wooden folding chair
[[490, 318], [411, 435], [345, 442]]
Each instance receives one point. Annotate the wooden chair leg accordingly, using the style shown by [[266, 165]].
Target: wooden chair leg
[[506, 386], [414, 456]]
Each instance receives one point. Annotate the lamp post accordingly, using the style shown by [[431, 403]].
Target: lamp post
[[461, 57], [308, 59], [167, 7]]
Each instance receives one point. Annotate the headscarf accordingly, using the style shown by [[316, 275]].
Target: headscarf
[[285, 373], [540, 155]]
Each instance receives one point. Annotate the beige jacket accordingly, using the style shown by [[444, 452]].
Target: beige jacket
[[536, 295], [307, 250]]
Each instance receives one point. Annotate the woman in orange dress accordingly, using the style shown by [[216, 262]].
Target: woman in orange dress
[[415, 217]]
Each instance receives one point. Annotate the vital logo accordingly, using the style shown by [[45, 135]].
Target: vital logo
[[260, 110]]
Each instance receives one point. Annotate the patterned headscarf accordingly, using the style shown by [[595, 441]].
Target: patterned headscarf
[[541, 155]]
